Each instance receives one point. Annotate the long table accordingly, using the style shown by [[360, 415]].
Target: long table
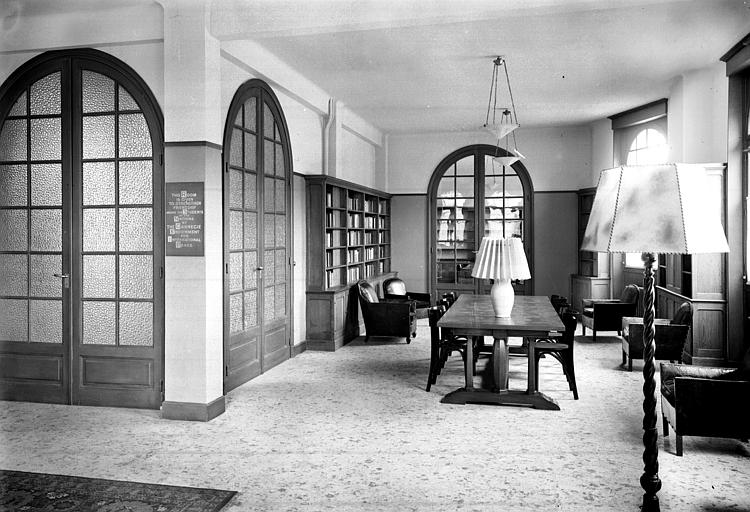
[[532, 317]]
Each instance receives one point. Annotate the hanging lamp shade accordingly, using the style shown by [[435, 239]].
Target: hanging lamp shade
[[505, 160], [501, 130], [502, 122]]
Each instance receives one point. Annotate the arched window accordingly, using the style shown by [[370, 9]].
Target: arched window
[[648, 147], [472, 196]]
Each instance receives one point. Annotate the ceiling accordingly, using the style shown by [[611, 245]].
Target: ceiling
[[426, 65], [419, 66]]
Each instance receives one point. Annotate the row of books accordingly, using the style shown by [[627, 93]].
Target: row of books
[[354, 274]]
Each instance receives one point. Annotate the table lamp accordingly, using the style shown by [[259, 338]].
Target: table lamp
[[501, 259], [652, 209]]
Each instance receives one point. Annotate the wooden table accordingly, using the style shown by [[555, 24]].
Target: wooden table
[[532, 317]]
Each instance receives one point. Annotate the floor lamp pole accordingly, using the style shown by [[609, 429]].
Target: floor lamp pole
[[650, 481]]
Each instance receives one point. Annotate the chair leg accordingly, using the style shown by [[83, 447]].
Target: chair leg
[[583, 330], [630, 364], [624, 358], [679, 445], [665, 425], [571, 373], [594, 334]]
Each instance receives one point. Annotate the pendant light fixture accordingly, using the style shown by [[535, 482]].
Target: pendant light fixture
[[502, 126]]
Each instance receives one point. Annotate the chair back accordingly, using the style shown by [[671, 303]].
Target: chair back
[[683, 315], [559, 303], [394, 286], [571, 322], [367, 293], [450, 297], [630, 294]]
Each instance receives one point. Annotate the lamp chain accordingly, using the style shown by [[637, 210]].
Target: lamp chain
[[650, 481]]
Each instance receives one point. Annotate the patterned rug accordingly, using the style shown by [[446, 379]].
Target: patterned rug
[[22, 491]]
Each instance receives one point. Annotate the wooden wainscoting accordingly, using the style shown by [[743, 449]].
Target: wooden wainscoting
[[707, 341]]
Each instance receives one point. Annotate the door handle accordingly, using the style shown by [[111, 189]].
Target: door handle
[[65, 278]]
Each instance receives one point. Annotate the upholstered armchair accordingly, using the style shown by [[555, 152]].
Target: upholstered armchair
[[386, 317], [606, 314], [670, 336], [703, 401], [394, 288]]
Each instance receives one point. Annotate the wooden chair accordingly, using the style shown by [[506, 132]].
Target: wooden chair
[[669, 336], [386, 318], [561, 349], [606, 314], [442, 344]]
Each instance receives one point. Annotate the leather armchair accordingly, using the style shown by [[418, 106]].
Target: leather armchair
[[386, 318], [394, 289], [670, 336], [702, 401], [606, 314]]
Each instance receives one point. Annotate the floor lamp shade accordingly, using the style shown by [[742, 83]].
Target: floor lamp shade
[[501, 259], [653, 209]]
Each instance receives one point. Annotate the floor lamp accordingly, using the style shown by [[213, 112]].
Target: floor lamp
[[653, 209]]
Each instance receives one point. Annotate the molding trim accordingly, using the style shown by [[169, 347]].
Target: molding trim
[[299, 348], [556, 191], [409, 195], [188, 411], [194, 143]]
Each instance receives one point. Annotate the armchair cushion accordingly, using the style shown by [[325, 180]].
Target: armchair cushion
[[394, 288]]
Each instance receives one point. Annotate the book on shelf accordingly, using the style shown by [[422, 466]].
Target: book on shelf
[[353, 274]]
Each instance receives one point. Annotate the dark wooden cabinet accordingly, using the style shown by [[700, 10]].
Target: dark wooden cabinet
[[701, 280], [592, 280], [348, 239]]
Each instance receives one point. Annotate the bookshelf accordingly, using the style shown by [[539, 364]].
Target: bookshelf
[[592, 280], [348, 239]]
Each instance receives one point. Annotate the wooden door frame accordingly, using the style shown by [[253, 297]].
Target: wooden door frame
[[479, 150]]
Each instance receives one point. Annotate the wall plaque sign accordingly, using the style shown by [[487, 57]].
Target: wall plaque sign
[[184, 218]]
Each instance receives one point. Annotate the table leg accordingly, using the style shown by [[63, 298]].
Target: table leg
[[531, 386], [500, 363], [469, 364]]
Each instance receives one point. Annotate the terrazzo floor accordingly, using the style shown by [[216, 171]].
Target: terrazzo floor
[[354, 430]]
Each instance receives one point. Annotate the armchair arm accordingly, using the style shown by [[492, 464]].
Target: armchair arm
[[672, 370], [419, 296], [614, 308]]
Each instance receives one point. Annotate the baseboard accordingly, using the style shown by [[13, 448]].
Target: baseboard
[[187, 411], [298, 349]]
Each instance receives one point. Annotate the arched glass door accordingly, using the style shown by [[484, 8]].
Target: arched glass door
[[471, 196], [257, 220], [80, 200]]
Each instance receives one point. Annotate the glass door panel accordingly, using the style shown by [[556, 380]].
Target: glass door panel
[[256, 188], [114, 225], [33, 290], [473, 191]]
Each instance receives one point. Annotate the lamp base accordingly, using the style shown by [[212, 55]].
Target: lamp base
[[502, 297]]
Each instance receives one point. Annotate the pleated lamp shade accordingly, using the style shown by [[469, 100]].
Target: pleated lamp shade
[[501, 258]]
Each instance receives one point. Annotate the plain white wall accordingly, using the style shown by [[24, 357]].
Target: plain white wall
[[557, 158]]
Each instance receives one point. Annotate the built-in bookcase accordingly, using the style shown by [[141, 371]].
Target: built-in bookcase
[[357, 234], [348, 239]]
